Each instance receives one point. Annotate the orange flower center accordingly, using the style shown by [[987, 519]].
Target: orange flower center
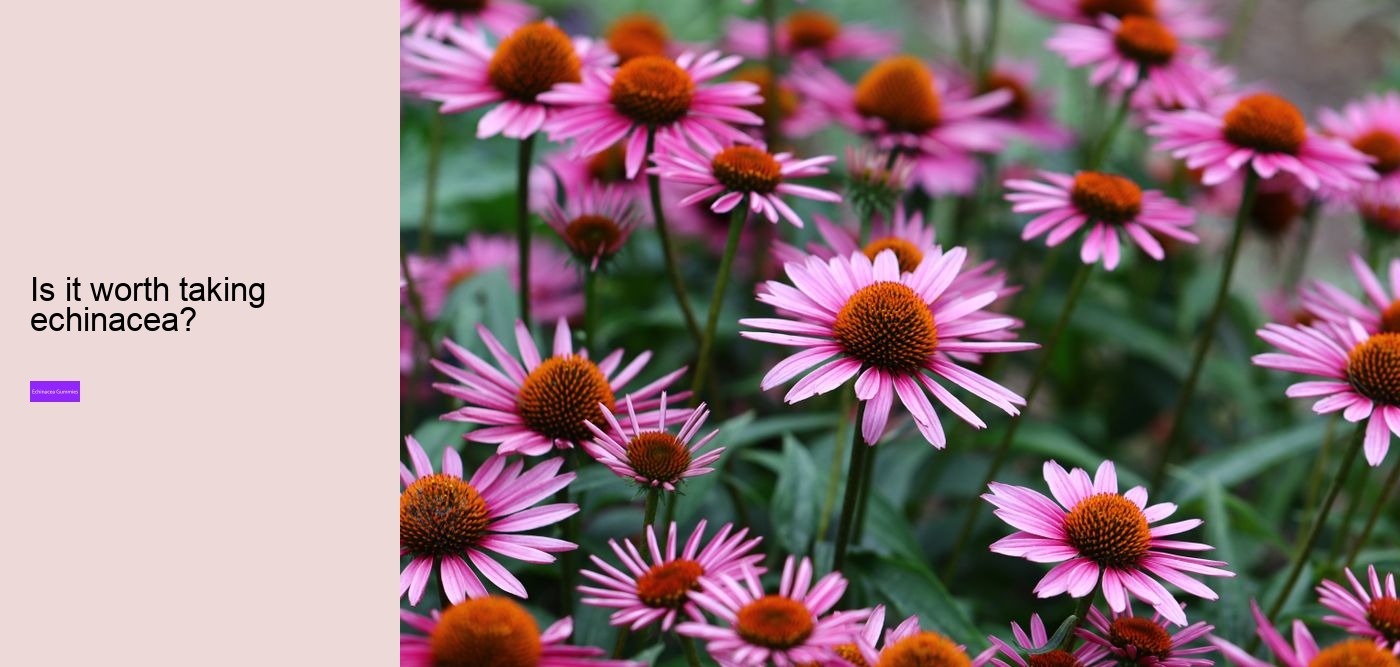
[[1142, 634], [808, 29], [653, 90], [637, 35], [1118, 8], [1056, 658], [908, 254], [1109, 530], [925, 649], [1266, 123], [1274, 212], [900, 91], [486, 632], [666, 585], [531, 60], [560, 394], [658, 455], [439, 515], [851, 653], [1106, 197], [1390, 317], [1384, 615], [1373, 368], [746, 169], [460, 6], [1354, 653], [592, 235], [1382, 145], [1021, 100], [775, 622], [609, 165], [1145, 40], [888, 326], [1382, 216], [761, 77]]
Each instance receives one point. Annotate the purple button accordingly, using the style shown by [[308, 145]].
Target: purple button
[[54, 391]]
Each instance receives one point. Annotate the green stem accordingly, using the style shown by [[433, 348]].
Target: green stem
[[1344, 529], [667, 251], [989, 41], [1222, 293], [707, 343], [653, 498], [771, 109], [1319, 467], [1081, 611], [1105, 144], [1381, 504], [962, 32], [833, 481], [620, 646], [1300, 254], [1242, 22], [848, 506], [1076, 288], [692, 655], [419, 321], [522, 222], [590, 312], [867, 470], [436, 129]]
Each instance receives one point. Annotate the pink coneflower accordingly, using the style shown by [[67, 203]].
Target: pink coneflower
[[907, 644], [1305, 652], [1279, 203], [1095, 530], [1030, 113], [546, 403], [555, 289], [1363, 378], [594, 224], [664, 588], [876, 180], [734, 174], [1381, 315], [1033, 645], [1373, 612], [654, 458], [637, 35], [493, 631], [1188, 18], [900, 105], [445, 520], [1108, 204], [562, 176], [434, 18], [812, 34], [784, 629], [466, 73], [1372, 126], [907, 235], [895, 330], [1136, 51], [1145, 642], [1264, 132], [673, 96], [1379, 208], [798, 115]]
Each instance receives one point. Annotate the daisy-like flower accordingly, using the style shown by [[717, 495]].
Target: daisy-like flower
[[1380, 315], [1262, 132], [1372, 126], [892, 331], [1108, 204], [1145, 642], [907, 644], [1365, 612], [1305, 652], [493, 631], [788, 628], [555, 290], [737, 173], [1030, 113], [654, 458], [1094, 531], [676, 97], [812, 34], [546, 403], [564, 177], [900, 105], [637, 35], [1363, 380], [875, 182], [595, 224], [1136, 50], [1188, 18], [445, 521], [907, 235], [466, 73], [434, 18], [664, 588], [1030, 650], [1379, 208]]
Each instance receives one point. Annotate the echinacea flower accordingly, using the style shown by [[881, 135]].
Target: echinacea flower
[[1381, 315], [1145, 642], [892, 331], [434, 18], [908, 644], [1108, 204], [594, 224], [1030, 113], [1379, 209], [1305, 652], [1372, 126], [546, 403], [562, 176], [664, 588], [1261, 132], [904, 233], [445, 521], [1365, 612], [637, 35], [493, 631], [555, 290], [811, 34], [742, 174], [876, 180], [466, 73], [1097, 534], [1038, 652], [1188, 18], [675, 98], [1363, 380], [653, 458], [784, 629], [1136, 51]]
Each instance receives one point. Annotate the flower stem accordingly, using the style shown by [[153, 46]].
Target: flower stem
[[1319, 467], [419, 320], [962, 31], [1300, 254], [1344, 529], [771, 109], [590, 312], [848, 506], [522, 222], [692, 655], [1076, 288], [989, 41], [1381, 500], [839, 451], [620, 646], [1222, 293], [1105, 144], [1081, 611], [436, 129], [1243, 19], [707, 343], [867, 470], [667, 251], [653, 499]]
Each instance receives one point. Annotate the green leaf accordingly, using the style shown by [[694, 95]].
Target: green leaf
[[794, 506], [1053, 442], [1246, 461], [1058, 639], [487, 299], [1233, 617], [890, 529], [914, 589]]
